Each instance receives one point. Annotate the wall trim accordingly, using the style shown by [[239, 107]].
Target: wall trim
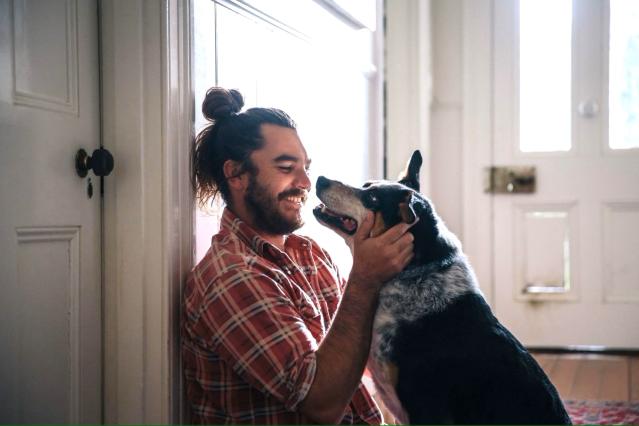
[[477, 134], [147, 113], [408, 90]]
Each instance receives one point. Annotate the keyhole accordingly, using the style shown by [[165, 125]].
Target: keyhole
[[90, 188]]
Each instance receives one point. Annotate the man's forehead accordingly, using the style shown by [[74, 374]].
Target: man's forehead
[[282, 144]]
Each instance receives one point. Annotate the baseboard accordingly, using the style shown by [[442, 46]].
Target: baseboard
[[583, 349]]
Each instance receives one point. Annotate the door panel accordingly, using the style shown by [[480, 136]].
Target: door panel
[[50, 311], [566, 257]]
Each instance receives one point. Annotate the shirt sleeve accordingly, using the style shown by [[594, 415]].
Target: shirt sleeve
[[255, 328]]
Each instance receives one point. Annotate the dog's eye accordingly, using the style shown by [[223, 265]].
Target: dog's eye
[[373, 198]]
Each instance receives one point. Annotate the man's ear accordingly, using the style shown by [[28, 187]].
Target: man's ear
[[410, 175], [234, 174], [407, 209]]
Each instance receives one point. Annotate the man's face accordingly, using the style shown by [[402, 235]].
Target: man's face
[[277, 191]]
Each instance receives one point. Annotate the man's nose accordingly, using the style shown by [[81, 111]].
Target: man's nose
[[303, 180]]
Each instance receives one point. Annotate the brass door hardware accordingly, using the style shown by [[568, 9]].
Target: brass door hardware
[[510, 180]]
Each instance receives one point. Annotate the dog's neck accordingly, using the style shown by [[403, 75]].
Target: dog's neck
[[434, 243], [415, 269]]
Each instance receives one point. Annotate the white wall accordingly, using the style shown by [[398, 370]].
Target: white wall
[[408, 74], [446, 112], [424, 97]]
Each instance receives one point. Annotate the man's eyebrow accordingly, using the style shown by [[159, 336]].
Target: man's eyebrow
[[287, 157]]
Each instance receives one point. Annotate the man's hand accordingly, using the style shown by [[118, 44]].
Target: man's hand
[[378, 259]]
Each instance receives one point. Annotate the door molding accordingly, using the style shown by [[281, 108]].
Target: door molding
[[477, 134], [408, 89], [147, 115]]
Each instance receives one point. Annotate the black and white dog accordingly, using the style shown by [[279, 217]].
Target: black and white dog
[[438, 353]]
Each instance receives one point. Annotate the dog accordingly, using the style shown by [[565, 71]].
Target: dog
[[438, 354]]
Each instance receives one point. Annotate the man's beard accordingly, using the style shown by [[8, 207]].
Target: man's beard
[[265, 211]]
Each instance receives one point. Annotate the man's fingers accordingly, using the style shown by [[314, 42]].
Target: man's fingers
[[406, 253], [395, 233]]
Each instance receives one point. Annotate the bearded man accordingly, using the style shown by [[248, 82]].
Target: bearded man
[[271, 334]]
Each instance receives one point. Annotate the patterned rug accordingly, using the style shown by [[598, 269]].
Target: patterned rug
[[603, 412]]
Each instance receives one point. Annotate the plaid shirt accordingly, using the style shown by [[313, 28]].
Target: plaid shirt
[[253, 319]]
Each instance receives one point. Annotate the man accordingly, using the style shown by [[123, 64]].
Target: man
[[271, 333]]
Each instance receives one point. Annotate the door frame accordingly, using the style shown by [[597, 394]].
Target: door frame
[[147, 113], [477, 138]]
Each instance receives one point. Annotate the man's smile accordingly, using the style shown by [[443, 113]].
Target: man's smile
[[297, 200]]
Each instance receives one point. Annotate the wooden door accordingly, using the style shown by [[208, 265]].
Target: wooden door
[[50, 268]]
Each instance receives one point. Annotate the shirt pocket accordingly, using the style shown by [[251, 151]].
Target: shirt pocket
[[307, 306]]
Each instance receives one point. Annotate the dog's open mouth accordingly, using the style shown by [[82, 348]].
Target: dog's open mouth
[[335, 220]]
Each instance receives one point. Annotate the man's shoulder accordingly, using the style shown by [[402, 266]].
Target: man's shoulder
[[226, 254]]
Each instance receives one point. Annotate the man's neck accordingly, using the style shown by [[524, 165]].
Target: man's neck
[[278, 240]]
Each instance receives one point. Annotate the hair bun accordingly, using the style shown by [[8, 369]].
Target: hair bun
[[220, 103]]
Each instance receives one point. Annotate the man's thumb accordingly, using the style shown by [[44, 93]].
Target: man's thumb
[[364, 228]]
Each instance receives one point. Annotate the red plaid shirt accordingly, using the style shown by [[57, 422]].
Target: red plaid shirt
[[253, 319]]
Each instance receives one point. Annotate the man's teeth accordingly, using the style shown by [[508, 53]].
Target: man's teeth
[[296, 199]]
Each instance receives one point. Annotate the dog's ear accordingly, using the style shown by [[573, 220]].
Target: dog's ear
[[410, 175], [407, 209]]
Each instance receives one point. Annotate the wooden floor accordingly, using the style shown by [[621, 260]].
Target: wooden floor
[[593, 377]]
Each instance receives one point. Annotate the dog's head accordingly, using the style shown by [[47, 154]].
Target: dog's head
[[344, 208]]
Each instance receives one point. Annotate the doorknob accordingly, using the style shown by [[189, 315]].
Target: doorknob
[[101, 162]]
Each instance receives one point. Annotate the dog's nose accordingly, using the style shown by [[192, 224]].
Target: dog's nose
[[322, 183]]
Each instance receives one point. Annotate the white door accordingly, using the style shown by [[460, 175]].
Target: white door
[[566, 258], [50, 309]]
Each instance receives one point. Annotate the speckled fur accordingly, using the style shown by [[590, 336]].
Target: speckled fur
[[407, 298], [416, 293]]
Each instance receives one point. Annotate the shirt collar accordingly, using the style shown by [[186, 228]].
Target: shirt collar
[[233, 224]]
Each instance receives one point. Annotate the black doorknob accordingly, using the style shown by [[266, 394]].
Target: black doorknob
[[101, 162]]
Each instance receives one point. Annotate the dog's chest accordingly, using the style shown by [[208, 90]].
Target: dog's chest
[[407, 299], [394, 309]]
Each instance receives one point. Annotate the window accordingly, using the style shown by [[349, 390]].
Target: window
[[545, 67], [567, 81], [623, 85]]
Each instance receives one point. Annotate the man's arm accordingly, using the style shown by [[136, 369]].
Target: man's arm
[[342, 354]]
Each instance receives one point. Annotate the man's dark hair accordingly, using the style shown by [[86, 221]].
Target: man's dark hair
[[231, 135]]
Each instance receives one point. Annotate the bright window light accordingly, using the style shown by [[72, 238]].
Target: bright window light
[[623, 89], [545, 62]]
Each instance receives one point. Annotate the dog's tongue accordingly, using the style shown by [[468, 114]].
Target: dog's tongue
[[349, 224]]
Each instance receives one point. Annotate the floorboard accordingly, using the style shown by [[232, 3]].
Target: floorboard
[[592, 377]]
